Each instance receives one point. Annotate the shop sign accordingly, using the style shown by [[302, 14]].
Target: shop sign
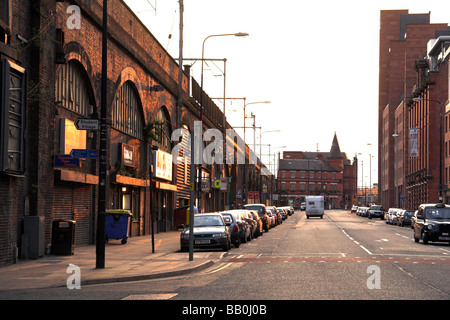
[[128, 155], [206, 185], [253, 195], [163, 165], [223, 183]]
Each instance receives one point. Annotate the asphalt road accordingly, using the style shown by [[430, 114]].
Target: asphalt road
[[339, 257]]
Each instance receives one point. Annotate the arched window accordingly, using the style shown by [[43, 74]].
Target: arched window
[[165, 132], [72, 89], [126, 113]]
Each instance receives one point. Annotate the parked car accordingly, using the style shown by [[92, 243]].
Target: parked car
[[251, 222], [375, 211], [396, 217], [262, 212], [354, 208], [389, 215], [303, 206], [240, 231], [284, 212], [259, 223], [364, 211], [405, 217], [432, 223], [210, 231], [277, 215], [273, 220]]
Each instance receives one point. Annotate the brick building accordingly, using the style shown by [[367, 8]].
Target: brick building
[[403, 39], [428, 175], [51, 66], [330, 174]]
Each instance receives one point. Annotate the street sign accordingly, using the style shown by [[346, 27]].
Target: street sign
[[86, 124], [84, 154], [64, 160]]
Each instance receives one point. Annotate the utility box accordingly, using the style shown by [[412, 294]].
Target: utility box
[[34, 229], [63, 237]]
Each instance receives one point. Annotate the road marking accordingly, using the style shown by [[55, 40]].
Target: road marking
[[221, 268]]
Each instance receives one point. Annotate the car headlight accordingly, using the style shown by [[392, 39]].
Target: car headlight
[[185, 236], [431, 227], [218, 235]]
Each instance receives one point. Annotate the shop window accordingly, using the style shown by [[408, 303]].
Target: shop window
[[126, 114], [163, 130]]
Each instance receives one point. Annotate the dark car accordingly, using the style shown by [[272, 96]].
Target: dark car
[[284, 212], [240, 230], [405, 218], [210, 231], [261, 209], [432, 223]]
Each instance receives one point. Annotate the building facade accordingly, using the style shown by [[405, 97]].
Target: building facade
[[330, 174], [403, 38], [51, 67]]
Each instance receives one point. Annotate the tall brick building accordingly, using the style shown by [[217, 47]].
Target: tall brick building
[[403, 40], [330, 174]]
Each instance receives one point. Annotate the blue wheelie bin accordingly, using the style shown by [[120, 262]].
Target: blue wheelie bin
[[117, 225]]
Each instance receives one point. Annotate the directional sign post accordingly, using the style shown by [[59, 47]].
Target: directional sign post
[[84, 154], [86, 124]]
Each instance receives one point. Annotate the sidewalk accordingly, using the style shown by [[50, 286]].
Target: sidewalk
[[129, 262]]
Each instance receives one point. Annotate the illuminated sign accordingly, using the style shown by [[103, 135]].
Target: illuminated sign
[[128, 155], [163, 165]]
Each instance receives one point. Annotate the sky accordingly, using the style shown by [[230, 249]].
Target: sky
[[315, 61]]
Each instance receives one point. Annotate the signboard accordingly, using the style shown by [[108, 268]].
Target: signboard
[[216, 184], [86, 124], [223, 183], [413, 142], [163, 165], [128, 156], [253, 195], [65, 160], [84, 154], [206, 185]]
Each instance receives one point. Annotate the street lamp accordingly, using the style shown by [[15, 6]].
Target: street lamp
[[238, 34]]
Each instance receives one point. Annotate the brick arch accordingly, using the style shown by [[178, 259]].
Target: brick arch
[[75, 51]]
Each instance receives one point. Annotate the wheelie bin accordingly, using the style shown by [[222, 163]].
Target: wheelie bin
[[117, 225], [63, 237]]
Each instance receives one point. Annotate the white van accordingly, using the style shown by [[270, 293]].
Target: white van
[[315, 206]]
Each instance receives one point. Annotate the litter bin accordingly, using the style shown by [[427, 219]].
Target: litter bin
[[117, 225], [63, 237]]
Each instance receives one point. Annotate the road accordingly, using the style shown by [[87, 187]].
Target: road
[[339, 257]]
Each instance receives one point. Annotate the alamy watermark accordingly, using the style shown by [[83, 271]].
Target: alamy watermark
[[213, 152], [374, 280], [74, 280]]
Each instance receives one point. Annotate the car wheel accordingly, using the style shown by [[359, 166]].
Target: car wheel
[[424, 238], [237, 243]]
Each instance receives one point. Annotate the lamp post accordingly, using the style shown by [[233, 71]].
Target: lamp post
[[199, 186]]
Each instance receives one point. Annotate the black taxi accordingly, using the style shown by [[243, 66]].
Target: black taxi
[[432, 223]]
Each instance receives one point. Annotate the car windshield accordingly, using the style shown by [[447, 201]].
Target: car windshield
[[207, 221], [409, 213], [437, 213], [376, 208], [259, 209]]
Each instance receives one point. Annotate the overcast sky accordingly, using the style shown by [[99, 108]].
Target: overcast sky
[[316, 61]]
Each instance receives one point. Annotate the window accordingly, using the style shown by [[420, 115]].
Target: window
[[311, 186], [71, 89], [283, 186], [302, 186], [163, 130], [302, 175], [311, 174], [126, 114], [292, 174], [283, 174], [292, 186], [12, 120]]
